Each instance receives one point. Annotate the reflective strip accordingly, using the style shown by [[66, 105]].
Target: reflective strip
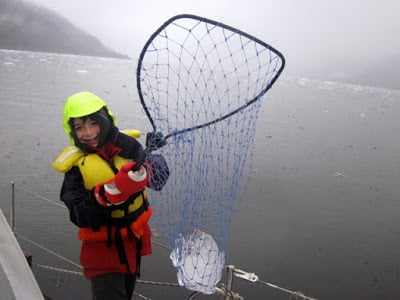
[[139, 175], [67, 159], [67, 155], [112, 189]]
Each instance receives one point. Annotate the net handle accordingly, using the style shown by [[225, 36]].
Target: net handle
[[219, 24]]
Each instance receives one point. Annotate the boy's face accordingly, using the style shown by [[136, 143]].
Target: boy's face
[[86, 130]]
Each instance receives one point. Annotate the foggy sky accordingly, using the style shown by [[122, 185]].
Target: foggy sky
[[312, 34]]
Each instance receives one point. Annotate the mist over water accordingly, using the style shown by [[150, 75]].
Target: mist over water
[[321, 210]]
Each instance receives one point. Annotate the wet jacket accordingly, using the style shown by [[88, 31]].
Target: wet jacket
[[108, 243], [113, 238]]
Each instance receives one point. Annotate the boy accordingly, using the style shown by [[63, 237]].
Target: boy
[[105, 193]]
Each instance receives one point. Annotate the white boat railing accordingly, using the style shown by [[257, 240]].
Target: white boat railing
[[17, 281]]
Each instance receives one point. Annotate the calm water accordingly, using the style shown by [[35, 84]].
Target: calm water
[[322, 210]]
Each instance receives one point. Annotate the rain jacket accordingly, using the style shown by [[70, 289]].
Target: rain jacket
[[113, 238]]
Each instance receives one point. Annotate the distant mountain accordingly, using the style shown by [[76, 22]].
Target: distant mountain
[[25, 26]]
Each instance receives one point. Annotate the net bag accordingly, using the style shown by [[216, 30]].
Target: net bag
[[200, 83]]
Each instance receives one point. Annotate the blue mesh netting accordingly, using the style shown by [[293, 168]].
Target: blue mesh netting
[[200, 82]]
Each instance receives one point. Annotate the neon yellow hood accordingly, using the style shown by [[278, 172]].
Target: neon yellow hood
[[79, 105]]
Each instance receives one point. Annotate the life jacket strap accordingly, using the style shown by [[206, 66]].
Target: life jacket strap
[[132, 205], [130, 214], [123, 259]]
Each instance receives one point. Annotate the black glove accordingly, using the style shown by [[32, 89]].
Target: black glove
[[154, 141], [158, 169]]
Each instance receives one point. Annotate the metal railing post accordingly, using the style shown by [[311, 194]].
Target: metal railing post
[[229, 281], [12, 207]]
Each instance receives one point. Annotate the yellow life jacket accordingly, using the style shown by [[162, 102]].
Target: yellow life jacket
[[95, 170]]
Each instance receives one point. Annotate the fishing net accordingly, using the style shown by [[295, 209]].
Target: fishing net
[[199, 82]]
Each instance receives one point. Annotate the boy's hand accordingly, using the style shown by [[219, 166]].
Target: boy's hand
[[154, 141]]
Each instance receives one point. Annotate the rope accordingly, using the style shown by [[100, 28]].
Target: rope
[[150, 282], [160, 245], [39, 196], [296, 295], [141, 296], [49, 251], [58, 269]]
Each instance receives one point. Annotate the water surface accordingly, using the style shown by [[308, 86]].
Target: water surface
[[320, 213]]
